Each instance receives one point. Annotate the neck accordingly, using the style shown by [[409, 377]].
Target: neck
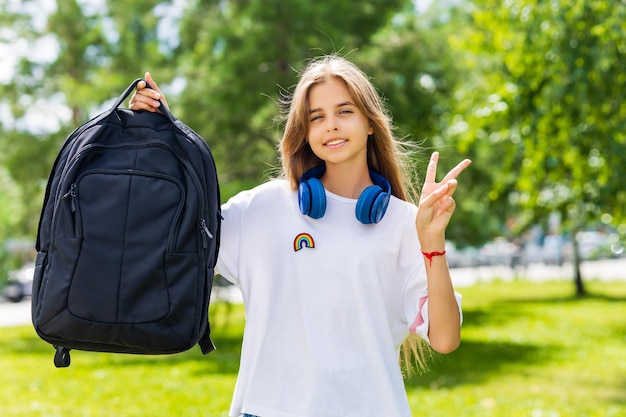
[[347, 182]]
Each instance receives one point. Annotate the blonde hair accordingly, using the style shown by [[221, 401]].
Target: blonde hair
[[385, 153]]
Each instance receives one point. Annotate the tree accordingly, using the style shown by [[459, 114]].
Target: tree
[[233, 59], [237, 57], [549, 101], [223, 65], [413, 65], [93, 55]]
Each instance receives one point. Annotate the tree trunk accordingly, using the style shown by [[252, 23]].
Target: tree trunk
[[578, 280]]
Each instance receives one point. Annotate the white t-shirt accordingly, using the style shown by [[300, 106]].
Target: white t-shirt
[[328, 303]]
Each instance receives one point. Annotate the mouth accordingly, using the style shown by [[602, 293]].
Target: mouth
[[334, 143]]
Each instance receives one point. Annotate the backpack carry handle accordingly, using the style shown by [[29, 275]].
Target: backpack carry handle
[[163, 108]]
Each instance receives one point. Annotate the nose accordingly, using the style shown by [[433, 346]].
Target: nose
[[331, 124]]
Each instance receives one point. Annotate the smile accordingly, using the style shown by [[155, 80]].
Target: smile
[[335, 143]]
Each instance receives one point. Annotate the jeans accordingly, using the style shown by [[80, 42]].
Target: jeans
[[248, 415]]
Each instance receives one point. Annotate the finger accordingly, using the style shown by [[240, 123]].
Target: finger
[[152, 92], [431, 171], [452, 186], [140, 101], [448, 205], [140, 85], [447, 188], [156, 88], [151, 82], [445, 191], [456, 171]]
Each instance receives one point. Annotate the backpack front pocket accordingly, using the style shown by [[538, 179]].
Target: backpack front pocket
[[125, 234]]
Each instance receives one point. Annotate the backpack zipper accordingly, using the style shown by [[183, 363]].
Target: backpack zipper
[[206, 234]]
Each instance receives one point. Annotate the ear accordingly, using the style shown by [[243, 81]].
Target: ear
[[370, 131]]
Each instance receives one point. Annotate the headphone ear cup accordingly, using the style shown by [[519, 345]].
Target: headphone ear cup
[[304, 198], [365, 204], [379, 208], [315, 196]]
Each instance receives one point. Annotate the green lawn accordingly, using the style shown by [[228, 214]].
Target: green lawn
[[528, 350], [532, 350]]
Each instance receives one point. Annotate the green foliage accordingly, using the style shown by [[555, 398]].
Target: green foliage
[[548, 100], [9, 203], [413, 64], [238, 58], [531, 91], [543, 107], [527, 349], [10, 209], [90, 68]]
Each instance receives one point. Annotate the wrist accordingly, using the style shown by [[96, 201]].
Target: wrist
[[433, 254], [433, 245]]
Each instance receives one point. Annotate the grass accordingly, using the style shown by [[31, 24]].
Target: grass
[[528, 349], [532, 350]]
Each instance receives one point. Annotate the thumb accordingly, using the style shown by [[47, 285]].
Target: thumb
[[155, 87], [149, 80]]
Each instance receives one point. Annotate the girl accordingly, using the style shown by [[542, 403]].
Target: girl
[[329, 258]]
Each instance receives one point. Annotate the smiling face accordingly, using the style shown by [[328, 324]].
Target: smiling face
[[338, 130]]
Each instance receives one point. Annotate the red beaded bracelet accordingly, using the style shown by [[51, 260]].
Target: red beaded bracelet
[[429, 256]]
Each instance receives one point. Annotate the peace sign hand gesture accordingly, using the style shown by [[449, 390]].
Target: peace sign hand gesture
[[436, 205]]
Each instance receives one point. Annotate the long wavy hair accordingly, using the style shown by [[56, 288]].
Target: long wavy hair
[[386, 154]]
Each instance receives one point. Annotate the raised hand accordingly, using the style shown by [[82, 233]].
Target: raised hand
[[147, 98], [437, 205]]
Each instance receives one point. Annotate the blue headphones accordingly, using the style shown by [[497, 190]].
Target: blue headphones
[[370, 207]]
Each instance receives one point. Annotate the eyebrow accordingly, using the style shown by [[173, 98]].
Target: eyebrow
[[346, 103]]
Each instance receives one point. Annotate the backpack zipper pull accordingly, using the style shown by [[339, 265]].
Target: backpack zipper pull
[[204, 230], [71, 194]]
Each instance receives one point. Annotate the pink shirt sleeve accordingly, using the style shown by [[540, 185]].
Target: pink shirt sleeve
[[420, 324]]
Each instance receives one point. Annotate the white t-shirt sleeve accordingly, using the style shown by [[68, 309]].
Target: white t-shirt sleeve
[[228, 258]]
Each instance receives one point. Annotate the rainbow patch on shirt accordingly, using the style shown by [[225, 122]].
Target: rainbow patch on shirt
[[303, 240]]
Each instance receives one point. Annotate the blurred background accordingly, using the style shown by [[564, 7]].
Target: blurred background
[[531, 91]]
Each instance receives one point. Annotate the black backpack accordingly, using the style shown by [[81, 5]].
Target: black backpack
[[128, 238]]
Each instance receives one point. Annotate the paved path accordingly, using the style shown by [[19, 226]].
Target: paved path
[[603, 270], [13, 314]]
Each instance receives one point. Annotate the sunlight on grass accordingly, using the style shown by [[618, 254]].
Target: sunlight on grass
[[528, 349], [532, 350], [100, 384]]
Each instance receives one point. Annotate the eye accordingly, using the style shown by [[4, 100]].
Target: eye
[[316, 117], [345, 111]]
